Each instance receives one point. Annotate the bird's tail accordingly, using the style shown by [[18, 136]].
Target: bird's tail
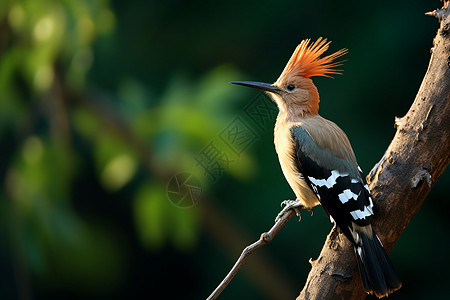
[[377, 272]]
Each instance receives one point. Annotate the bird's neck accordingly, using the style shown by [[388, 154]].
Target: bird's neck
[[295, 111]]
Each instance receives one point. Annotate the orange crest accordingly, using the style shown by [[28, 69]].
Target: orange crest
[[305, 60]]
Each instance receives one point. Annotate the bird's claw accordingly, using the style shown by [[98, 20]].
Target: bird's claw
[[296, 205]]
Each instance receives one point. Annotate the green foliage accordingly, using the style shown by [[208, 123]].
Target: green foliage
[[157, 220], [56, 244], [52, 239], [48, 55]]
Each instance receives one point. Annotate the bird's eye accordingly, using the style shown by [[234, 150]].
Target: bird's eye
[[290, 87]]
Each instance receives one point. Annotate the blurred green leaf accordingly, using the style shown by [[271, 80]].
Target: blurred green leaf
[[150, 213], [118, 172], [158, 221]]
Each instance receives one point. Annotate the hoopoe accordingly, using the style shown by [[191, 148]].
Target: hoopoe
[[319, 164]]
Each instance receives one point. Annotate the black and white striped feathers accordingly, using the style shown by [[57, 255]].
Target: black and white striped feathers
[[338, 183]]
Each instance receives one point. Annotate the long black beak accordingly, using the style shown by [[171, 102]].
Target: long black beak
[[259, 85]]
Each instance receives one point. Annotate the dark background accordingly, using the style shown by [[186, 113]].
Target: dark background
[[103, 102]]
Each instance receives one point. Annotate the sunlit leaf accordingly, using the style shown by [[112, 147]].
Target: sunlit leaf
[[118, 172]]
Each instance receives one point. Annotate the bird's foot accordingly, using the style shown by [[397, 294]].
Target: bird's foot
[[296, 205]]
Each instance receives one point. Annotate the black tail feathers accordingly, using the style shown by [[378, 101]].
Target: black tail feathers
[[377, 272]]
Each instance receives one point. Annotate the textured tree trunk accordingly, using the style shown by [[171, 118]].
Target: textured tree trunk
[[416, 157]]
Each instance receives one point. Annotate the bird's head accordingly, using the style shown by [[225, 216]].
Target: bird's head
[[294, 91]]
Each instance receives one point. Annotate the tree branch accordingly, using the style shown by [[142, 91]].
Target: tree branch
[[264, 239], [416, 157]]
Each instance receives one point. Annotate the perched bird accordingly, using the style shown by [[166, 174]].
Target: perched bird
[[319, 164]]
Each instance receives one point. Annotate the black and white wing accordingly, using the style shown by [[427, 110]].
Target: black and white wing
[[339, 184]]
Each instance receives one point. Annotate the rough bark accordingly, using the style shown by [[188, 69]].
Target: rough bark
[[400, 182]]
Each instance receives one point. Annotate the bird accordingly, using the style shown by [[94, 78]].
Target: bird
[[319, 164]]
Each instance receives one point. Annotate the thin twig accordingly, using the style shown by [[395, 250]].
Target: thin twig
[[265, 238]]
